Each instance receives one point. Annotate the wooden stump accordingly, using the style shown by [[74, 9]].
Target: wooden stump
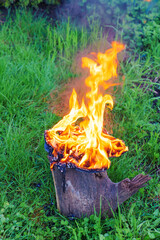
[[78, 193]]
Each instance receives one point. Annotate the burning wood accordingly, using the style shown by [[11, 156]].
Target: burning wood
[[79, 136], [79, 141], [80, 193]]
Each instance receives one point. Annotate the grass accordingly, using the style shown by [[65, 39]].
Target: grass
[[35, 58]]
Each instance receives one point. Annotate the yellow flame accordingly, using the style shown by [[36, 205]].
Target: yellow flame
[[86, 144]]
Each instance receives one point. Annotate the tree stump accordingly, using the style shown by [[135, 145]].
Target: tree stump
[[80, 193]]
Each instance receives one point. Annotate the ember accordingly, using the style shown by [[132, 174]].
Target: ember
[[79, 138]]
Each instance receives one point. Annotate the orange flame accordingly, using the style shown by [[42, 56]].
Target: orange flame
[[80, 136]]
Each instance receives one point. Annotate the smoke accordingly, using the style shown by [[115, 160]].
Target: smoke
[[82, 12], [59, 103]]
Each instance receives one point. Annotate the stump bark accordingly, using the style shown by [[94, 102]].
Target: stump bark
[[80, 193]]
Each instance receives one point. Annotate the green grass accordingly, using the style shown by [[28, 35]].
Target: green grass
[[35, 58]]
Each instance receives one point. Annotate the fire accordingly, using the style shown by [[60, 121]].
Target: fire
[[79, 137]]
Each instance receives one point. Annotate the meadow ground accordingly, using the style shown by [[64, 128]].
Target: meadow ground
[[35, 59]]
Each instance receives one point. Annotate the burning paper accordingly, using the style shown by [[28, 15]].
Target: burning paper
[[79, 138]]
